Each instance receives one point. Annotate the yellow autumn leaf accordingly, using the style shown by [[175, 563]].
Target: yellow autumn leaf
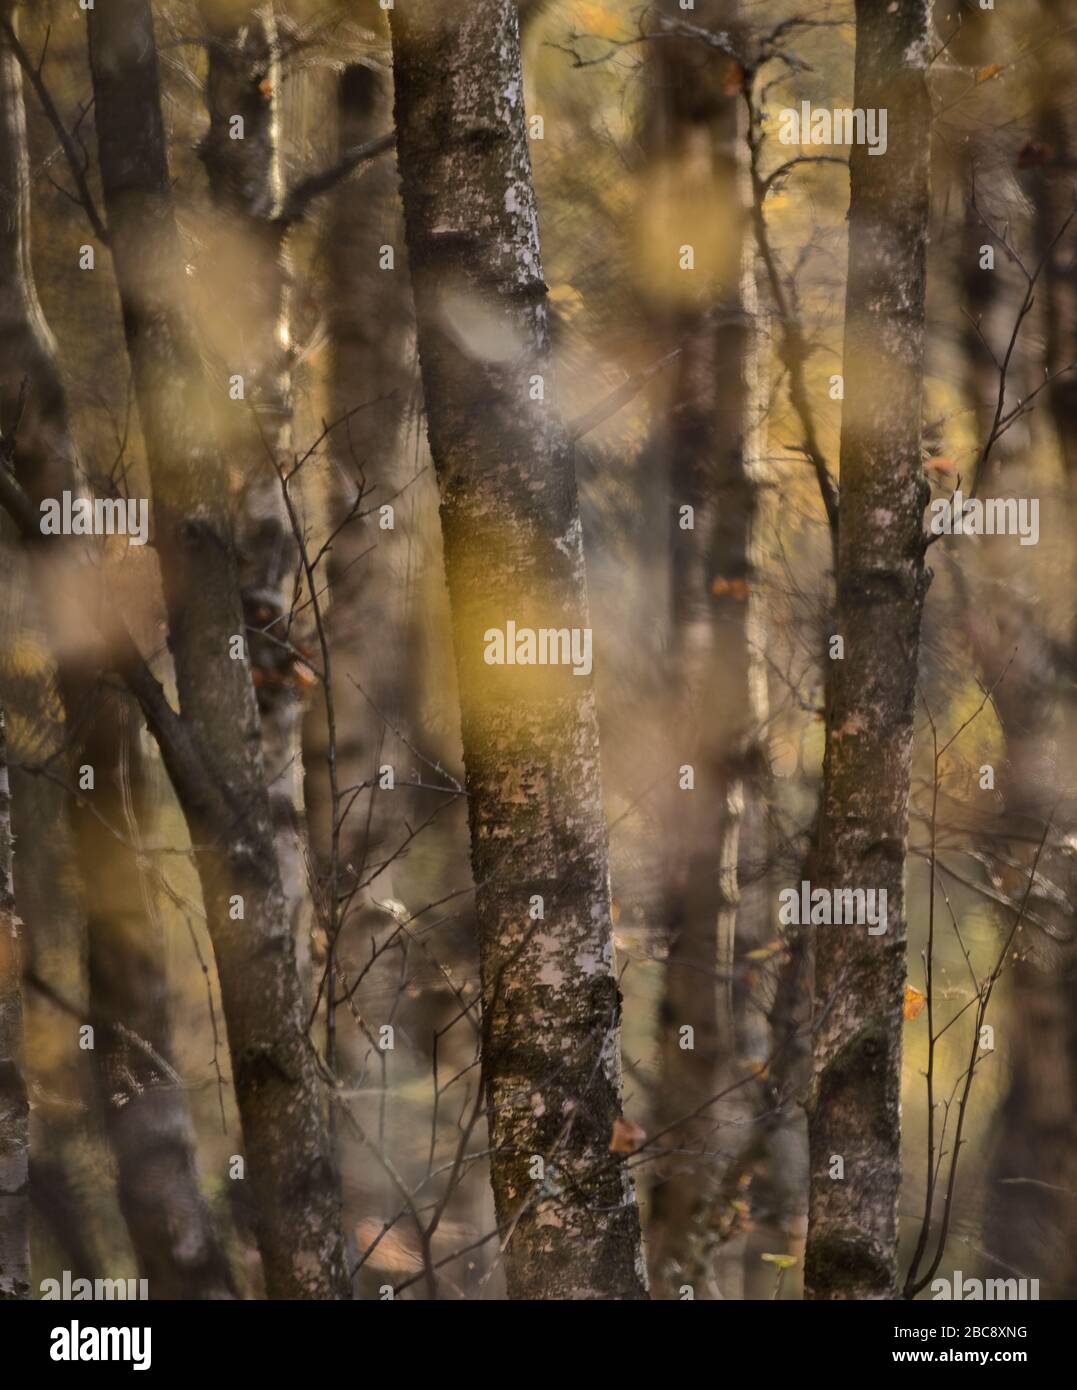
[[914, 1003], [595, 19], [782, 1261]]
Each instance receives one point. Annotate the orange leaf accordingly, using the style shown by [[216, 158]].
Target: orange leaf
[[265, 86], [627, 1137], [914, 1004], [985, 74]]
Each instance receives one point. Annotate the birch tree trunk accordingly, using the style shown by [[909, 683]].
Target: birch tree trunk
[[251, 291], [146, 1114], [14, 1104], [213, 752], [854, 1104], [513, 551]]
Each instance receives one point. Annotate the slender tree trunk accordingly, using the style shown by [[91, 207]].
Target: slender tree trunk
[[147, 1117], [248, 271], [715, 685], [513, 551], [14, 1104], [1032, 1164], [146, 1113], [373, 515], [854, 1107], [370, 566], [1049, 161], [1030, 1221], [213, 753]]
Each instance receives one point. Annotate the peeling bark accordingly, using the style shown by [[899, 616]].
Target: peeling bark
[[854, 1104], [213, 749], [513, 550]]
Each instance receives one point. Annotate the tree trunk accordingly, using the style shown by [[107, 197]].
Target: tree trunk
[[1031, 1166], [147, 1117], [1030, 1220], [854, 1105], [513, 551], [371, 571], [146, 1112], [213, 752], [250, 281], [14, 1104], [1048, 159], [715, 687], [370, 566]]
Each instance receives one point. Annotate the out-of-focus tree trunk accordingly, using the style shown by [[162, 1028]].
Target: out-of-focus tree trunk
[[1048, 160], [47, 899], [1032, 1165], [513, 550], [213, 749], [14, 1104], [146, 1112], [249, 279], [854, 1105], [1030, 1220], [147, 1117], [370, 566], [529, 11], [716, 689]]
